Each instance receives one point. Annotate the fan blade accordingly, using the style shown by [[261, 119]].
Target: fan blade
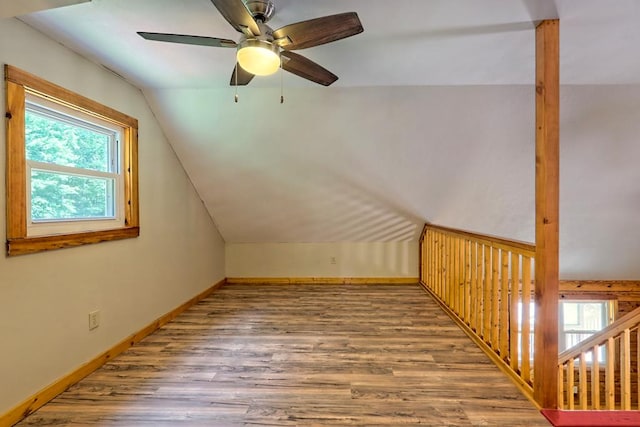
[[314, 32], [186, 39], [237, 14], [244, 77], [307, 69]]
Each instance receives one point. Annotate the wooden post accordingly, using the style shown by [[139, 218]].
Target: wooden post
[[545, 390]]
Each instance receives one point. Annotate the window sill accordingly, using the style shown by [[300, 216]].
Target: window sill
[[28, 245]]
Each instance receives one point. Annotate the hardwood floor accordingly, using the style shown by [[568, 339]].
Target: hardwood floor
[[284, 355]]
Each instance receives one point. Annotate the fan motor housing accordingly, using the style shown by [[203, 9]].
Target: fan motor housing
[[262, 10]]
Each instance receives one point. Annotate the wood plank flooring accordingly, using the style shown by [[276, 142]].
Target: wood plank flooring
[[286, 355]]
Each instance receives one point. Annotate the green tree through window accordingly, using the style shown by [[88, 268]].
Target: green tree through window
[[54, 141], [57, 195]]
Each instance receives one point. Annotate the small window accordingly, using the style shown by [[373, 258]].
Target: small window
[[580, 319], [72, 172]]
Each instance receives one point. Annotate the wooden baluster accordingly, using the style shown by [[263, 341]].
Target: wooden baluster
[[454, 273], [570, 384], [609, 376], [443, 282], [561, 387], [526, 319], [467, 281], [504, 306], [456, 276], [625, 370], [434, 263], [443, 265], [432, 260], [438, 265], [582, 381], [595, 378], [473, 286], [463, 280], [437, 270], [457, 280], [452, 277], [450, 263], [513, 311], [426, 257], [495, 294], [462, 296], [486, 330], [480, 289]]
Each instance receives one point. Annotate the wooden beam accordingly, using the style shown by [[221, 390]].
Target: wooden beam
[[606, 286], [547, 226]]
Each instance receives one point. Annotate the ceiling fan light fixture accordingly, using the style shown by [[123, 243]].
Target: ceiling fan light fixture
[[259, 57]]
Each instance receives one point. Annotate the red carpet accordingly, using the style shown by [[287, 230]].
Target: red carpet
[[592, 418]]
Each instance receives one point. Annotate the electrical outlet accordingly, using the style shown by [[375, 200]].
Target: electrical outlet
[[94, 319], [333, 260]]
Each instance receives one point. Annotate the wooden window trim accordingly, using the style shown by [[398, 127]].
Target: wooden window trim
[[18, 83]]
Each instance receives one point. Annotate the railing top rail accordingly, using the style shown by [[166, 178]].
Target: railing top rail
[[627, 321], [527, 247]]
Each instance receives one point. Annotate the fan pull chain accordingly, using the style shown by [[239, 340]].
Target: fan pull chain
[[235, 75], [281, 84]]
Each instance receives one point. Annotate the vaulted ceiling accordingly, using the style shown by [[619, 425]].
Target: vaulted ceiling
[[432, 119]]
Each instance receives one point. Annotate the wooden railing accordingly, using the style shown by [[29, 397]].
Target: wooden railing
[[486, 285], [603, 371]]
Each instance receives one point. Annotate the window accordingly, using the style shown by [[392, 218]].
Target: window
[[580, 319], [71, 168]]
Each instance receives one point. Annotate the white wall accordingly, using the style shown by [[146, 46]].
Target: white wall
[[45, 298], [353, 259], [600, 182]]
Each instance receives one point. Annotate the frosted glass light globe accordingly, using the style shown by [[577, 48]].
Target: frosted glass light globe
[[258, 57]]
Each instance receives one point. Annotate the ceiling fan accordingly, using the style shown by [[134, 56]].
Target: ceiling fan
[[261, 50]]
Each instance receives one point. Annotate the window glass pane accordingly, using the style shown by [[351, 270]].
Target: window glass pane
[[571, 316], [57, 196], [584, 316], [594, 316], [582, 319], [55, 141]]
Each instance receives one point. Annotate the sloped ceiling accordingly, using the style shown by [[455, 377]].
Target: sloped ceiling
[[10, 8], [432, 119]]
